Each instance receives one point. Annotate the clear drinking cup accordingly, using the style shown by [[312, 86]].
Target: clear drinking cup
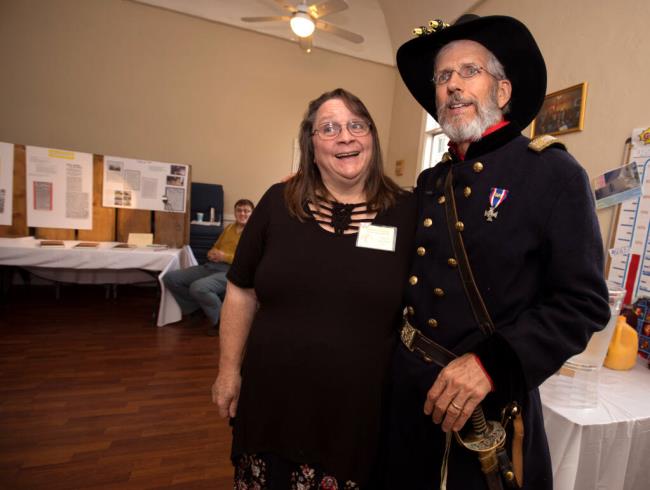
[[575, 385]]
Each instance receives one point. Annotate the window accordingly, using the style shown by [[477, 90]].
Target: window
[[435, 144]]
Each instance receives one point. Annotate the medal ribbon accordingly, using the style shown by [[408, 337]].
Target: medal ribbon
[[497, 196]]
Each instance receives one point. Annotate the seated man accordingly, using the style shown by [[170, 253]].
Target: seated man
[[203, 286]]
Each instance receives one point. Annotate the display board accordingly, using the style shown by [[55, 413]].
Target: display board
[[59, 188], [104, 223], [142, 184], [6, 182], [630, 247]]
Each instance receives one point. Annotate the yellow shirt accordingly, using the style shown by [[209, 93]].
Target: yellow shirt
[[227, 242]]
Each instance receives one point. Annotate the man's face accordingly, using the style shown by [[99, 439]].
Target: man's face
[[468, 106], [242, 213]]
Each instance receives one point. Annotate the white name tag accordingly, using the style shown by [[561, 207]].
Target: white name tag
[[377, 237]]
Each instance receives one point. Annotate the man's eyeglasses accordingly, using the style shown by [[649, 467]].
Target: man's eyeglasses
[[466, 71], [331, 130]]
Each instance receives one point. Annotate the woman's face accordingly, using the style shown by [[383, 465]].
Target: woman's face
[[344, 160]]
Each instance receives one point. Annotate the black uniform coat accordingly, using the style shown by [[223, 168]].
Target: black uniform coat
[[539, 267]]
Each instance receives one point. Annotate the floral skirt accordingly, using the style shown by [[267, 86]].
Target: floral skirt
[[265, 471]]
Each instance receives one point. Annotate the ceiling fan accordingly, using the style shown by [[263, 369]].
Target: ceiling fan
[[304, 19]]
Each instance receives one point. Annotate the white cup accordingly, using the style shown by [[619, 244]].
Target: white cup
[[199, 216], [596, 350], [575, 385]]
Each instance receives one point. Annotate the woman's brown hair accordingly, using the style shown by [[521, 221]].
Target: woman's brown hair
[[307, 184]]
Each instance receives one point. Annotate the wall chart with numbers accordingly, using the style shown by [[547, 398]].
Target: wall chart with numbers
[[630, 247]]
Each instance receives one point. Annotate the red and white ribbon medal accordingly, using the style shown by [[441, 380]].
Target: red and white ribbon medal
[[497, 196]]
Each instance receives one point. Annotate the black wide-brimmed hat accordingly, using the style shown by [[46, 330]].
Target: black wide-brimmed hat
[[507, 38]]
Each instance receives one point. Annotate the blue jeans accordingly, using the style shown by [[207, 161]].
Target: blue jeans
[[200, 286]]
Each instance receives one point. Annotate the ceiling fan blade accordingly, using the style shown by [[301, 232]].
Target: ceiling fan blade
[[318, 10], [287, 5], [306, 43], [266, 19], [345, 34]]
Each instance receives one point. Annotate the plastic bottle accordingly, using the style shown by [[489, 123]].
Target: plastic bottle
[[623, 347]]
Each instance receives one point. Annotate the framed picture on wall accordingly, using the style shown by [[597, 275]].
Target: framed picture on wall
[[562, 112]]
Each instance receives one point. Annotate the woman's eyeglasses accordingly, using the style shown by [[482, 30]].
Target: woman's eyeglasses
[[331, 130]]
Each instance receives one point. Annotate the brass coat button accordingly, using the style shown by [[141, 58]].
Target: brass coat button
[[421, 251], [467, 191], [413, 280], [477, 167], [427, 222], [410, 310], [438, 292], [432, 322], [460, 226], [441, 200], [452, 262]]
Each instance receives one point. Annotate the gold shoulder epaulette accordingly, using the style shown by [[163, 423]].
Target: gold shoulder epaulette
[[446, 156], [544, 141]]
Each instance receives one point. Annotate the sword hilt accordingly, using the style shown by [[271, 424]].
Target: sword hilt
[[486, 435], [485, 439], [478, 421]]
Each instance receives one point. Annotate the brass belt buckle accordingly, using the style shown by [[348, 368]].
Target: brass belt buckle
[[407, 334]]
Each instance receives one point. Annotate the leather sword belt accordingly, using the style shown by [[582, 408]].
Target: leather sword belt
[[427, 349], [489, 437]]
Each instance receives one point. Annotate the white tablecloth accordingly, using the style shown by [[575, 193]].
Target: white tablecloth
[[101, 265], [607, 447]]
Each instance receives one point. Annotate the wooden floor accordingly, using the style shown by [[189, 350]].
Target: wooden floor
[[92, 395]]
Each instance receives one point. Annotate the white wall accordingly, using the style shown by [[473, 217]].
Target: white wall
[[118, 77]]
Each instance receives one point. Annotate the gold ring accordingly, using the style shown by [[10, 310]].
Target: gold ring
[[456, 407]]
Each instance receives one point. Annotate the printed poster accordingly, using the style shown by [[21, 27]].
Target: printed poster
[[142, 184], [630, 254], [59, 188], [6, 183]]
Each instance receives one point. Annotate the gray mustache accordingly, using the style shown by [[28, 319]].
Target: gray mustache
[[459, 99]]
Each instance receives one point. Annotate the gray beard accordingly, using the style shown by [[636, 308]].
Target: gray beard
[[458, 132]]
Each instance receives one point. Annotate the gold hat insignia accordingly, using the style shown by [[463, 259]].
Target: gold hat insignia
[[435, 25]]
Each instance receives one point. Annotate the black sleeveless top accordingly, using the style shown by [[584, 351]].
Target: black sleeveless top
[[315, 369]]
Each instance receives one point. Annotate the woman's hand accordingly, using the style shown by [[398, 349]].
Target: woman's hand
[[225, 393], [237, 315]]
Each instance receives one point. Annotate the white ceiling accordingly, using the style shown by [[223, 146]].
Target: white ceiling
[[384, 24]]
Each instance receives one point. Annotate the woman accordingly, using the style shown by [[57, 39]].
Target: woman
[[312, 307]]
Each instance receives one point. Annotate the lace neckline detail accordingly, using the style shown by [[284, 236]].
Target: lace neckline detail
[[341, 217]]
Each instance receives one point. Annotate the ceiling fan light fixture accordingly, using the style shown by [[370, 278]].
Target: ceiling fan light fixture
[[302, 24]]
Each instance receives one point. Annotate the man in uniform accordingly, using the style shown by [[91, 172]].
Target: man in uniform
[[525, 216]]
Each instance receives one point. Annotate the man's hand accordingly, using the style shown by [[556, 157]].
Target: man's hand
[[215, 255], [225, 393], [457, 391]]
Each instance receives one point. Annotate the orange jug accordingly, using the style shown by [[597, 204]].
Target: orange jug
[[623, 347]]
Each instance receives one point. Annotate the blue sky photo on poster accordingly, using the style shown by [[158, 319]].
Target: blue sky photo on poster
[[617, 185]]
